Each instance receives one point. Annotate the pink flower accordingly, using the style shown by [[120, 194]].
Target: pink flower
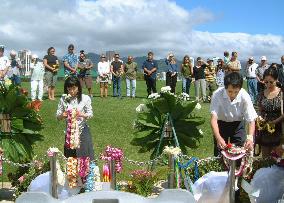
[[21, 179]]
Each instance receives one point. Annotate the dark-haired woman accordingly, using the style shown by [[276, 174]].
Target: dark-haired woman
[[186, 70], [230, 106], [51, 63], [81, 103], [269, 103]]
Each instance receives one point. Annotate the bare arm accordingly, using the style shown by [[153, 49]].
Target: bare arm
[[215, 128], [66, 64], [47, 66]]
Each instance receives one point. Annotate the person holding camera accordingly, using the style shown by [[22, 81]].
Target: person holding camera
[[251, 69], [171, 75], [199, 78], [15, 68]]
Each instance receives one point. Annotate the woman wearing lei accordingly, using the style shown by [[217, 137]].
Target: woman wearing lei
[[76, 108]]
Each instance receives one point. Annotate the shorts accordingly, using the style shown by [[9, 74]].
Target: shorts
[[50, 79], [86, 81]]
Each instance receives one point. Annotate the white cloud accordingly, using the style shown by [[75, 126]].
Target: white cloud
[[128, 26]]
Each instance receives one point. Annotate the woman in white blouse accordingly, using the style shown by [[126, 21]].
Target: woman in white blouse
[[82, 103], [103, 71], [230, 107]]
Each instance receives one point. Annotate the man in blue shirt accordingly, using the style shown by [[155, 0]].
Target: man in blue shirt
[[150, 67], [70, 61]]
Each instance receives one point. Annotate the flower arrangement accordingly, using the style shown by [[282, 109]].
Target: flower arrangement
[[20, 123], [175, 151], [151, 117], [142, 182], [112, 153]]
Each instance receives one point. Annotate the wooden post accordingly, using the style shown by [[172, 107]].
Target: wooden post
[[171, 176], [5, 123], [112, 175], [53, 175], [232, 180]]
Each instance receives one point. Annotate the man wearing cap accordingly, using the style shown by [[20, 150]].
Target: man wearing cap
[[251, 79], [4, 64], [234, 65], [37, 74], [210, 74], [130, 69], [15, 68], [116, 69], [150, 67], [70, 61], [259, 73], [200, 78], [280, 69]]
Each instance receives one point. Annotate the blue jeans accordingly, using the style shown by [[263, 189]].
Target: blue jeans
[[131, 83], [16, 80], [252, 89], [186, 85], [116, 86]]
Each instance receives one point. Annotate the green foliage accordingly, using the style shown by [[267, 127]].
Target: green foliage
[[25, 123], [151, 119]]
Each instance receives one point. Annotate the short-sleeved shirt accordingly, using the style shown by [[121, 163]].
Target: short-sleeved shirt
[[241, 108], [149, 65], [130, 70], [51, 61], [116, 66], [235, 65], [72, 60], [82, 64], [37, 71], [4, 62], [199, 72], [210, 77], [186, 70], [251, 70], [260, 71]]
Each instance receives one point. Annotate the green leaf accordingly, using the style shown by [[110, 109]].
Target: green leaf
[[11, 99], [147, 119], [17, 124], [21, 111]]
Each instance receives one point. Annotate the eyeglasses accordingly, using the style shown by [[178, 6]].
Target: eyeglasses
[[270, 82], [71, 49]]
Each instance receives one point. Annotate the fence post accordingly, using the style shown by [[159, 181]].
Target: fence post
[[232, 180], [171, 176], [53, 175], [113, 175]]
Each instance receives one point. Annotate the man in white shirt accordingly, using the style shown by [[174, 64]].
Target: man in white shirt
[[4, 64], [15, 68], [230, 107], [251, 79]]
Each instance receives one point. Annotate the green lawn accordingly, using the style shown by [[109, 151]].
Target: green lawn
[[112, 124]]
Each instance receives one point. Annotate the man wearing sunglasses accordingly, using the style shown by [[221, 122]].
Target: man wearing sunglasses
[[251, 68], [70, 61], [116, 69]]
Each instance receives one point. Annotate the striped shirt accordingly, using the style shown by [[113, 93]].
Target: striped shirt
[[210, 73]]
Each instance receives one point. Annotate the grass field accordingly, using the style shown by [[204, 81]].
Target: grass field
[[112, 124]]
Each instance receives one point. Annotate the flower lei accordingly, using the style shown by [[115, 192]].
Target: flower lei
[[234, 153], [93, 179], [1, 162], [261, 124], [115, 154], [72, 133], [72, 168]]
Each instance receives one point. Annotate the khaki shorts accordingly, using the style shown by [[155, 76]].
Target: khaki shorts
[[86, 81], [50, 79]]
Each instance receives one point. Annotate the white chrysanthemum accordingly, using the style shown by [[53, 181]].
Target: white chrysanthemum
[[200, 131], [154, 96], [198, 106], [141, 108], [165, 89], [53, 149], [7, 82], [175, 151]]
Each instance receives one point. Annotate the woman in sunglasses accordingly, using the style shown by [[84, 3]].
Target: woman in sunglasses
[[269, 103]]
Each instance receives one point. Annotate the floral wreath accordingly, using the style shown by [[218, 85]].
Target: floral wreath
[[234, 153], [261, 124]]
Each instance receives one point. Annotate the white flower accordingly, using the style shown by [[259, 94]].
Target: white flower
[[165, 89], [141, 108], [198, 106], [184, 96], [200, 131], [153, 96], [175, 151], [7, 82]]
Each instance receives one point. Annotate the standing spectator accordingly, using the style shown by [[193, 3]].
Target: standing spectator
[[186, 72], [171, 75], [259, 73], [199, 76], [226, 57], [251, 68], [269, 102], [4, 64], [234, 65], [210, 74], [103, 71], [280, 69], [37, 74], [220, 73], [15, 68], [51, 64], [150, 67], [70, 61], [116, 69], [85, 72], [130, 69]]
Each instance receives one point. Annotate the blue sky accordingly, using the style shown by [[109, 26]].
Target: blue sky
[[248, 16]]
